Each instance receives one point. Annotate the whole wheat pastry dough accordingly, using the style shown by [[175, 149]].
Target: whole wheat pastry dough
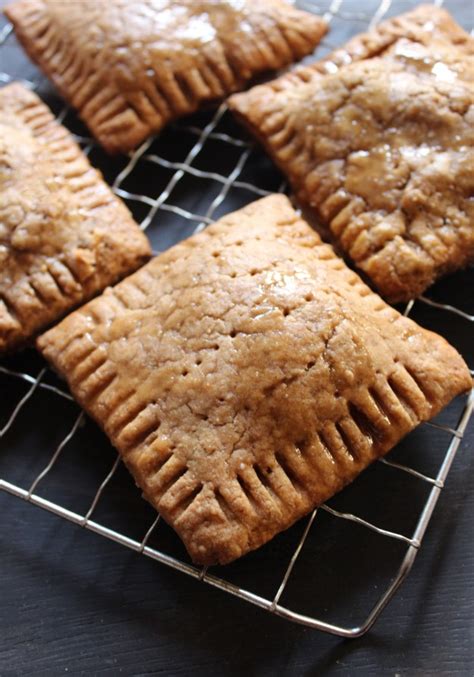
[[130, 67], [378, 141], [64, 236], [247, 374]]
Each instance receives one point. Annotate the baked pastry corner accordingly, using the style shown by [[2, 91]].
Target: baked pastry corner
[[246, 375], [377, 141], [131, 67], [64, 236]]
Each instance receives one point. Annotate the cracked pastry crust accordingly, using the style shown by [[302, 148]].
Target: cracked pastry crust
[[246, 375], [64, 236], [131, 67], [377, 140]]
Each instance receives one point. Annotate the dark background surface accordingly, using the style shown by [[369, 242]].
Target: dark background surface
[[72, 602]]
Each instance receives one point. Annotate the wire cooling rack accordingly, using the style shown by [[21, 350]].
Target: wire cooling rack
[[175, 185]]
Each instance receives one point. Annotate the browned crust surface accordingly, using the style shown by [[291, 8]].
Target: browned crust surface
[[130, 67], [246, 375], [64, 236], [378, 140]]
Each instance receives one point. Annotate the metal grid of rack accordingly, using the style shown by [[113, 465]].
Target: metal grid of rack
[[150, 205]]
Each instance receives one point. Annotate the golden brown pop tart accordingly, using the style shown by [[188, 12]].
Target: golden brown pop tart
[[377, 140], [131, 67], [64, 236], [246, 375]]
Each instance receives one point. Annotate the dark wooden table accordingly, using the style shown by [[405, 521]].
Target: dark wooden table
[[72, 602]]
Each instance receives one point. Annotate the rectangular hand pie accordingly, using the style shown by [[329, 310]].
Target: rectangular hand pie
[[377, 140], [246, 375], [130, 67], [64, 236]]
